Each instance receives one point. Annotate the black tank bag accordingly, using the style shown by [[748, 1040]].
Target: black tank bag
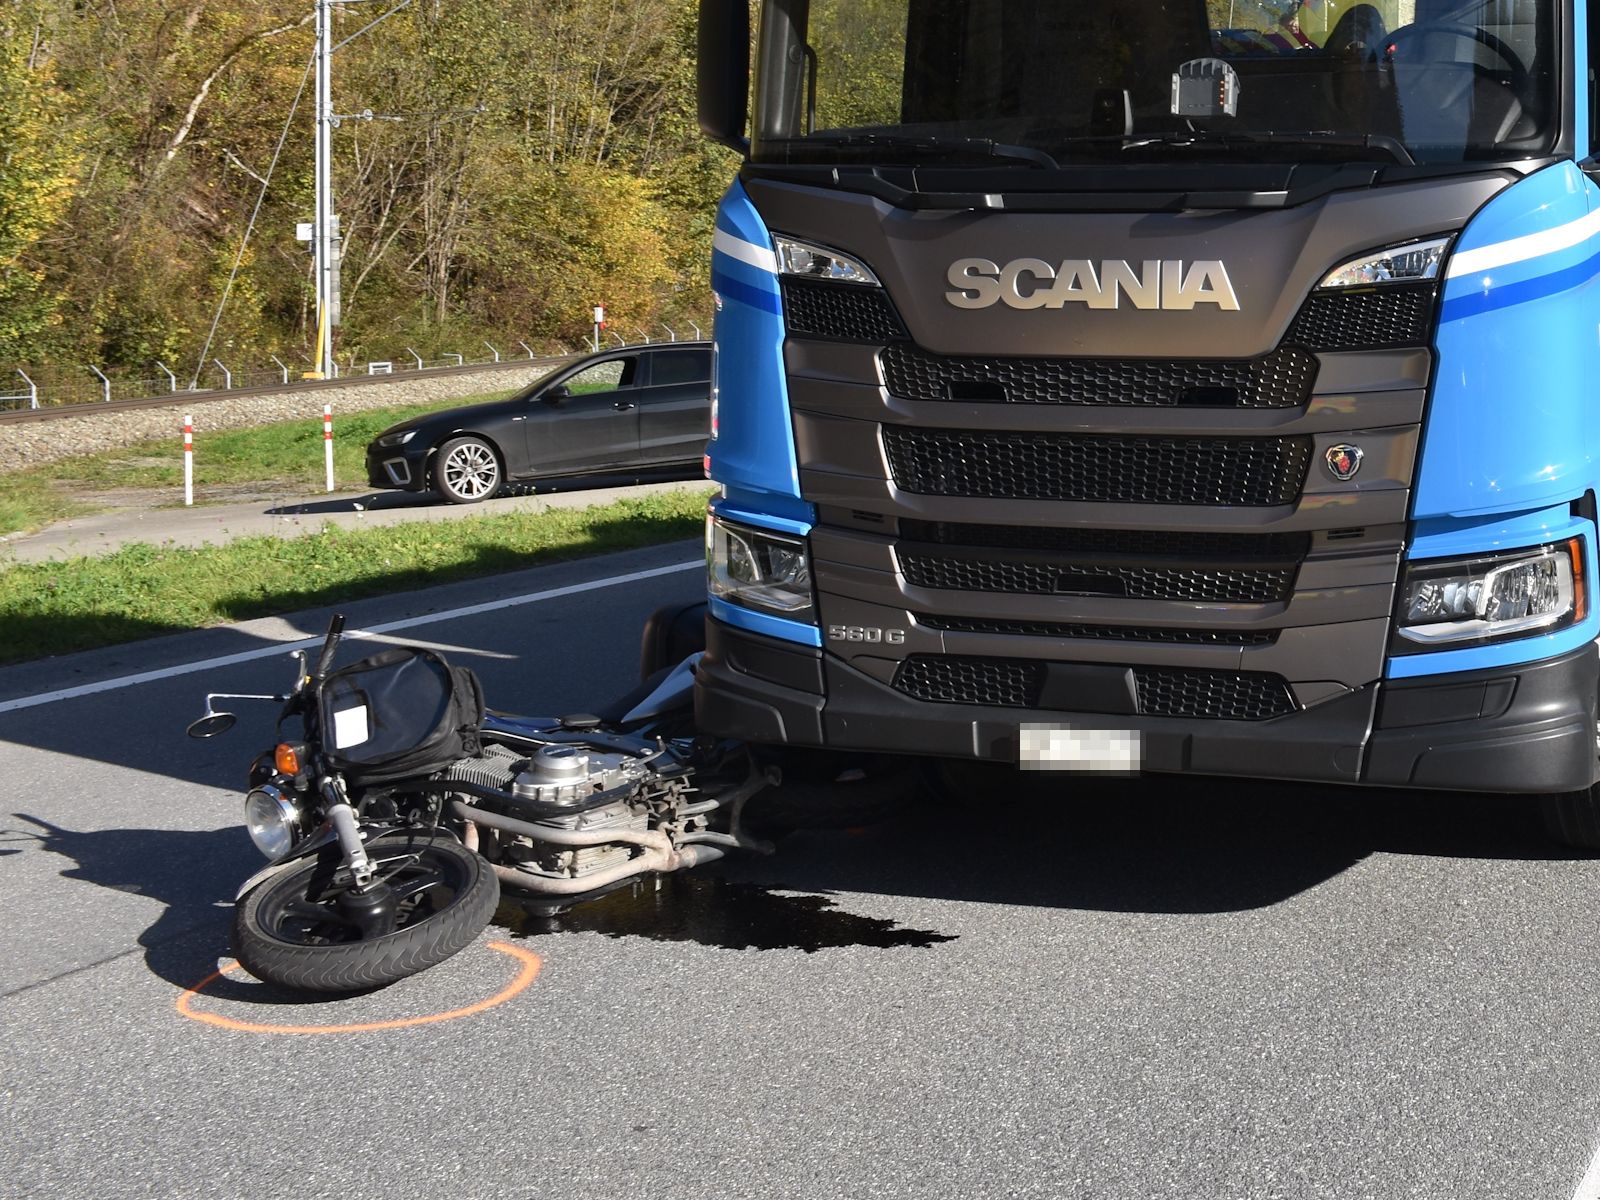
[[401, 714]]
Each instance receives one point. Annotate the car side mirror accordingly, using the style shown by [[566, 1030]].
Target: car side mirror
[[557, 395]]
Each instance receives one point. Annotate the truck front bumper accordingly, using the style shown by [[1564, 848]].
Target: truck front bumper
[[1530, 728]]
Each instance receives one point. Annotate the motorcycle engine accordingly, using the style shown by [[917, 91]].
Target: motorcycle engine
[[569, 775]]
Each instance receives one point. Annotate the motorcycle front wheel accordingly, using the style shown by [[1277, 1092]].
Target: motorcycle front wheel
[[304, 928]]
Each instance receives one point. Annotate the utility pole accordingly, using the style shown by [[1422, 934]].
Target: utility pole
[[326, 244], [324, 229]]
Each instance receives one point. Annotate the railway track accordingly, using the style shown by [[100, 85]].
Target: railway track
[[63, 412]]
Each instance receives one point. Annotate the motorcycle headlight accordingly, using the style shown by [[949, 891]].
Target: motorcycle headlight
[[272, 821], [397, 439], [1447, 602], [764, 571]]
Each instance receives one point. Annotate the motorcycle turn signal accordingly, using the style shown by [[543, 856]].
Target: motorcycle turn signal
[[286, 757]]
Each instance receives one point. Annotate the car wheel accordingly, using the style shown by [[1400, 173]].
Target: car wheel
[[467, 470]]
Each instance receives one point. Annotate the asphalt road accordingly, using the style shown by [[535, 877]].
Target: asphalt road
[[1163, 988]]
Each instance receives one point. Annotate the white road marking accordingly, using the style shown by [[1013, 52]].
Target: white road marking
[[1589, 1189], [284, 648], [441, 647]]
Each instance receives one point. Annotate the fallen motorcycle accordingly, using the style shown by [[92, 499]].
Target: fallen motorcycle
[[393, 806]]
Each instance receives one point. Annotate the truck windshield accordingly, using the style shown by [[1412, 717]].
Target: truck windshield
[[1043, 83]]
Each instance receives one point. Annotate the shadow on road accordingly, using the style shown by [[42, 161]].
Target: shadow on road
[[1156, 844], [194, 873], [373, 502], [1177, 846], [386, 500]]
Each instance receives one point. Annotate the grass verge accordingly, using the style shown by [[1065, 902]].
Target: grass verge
[[143, 590], [286, 455]]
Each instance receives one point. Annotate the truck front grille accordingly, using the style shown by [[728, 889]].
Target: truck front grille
[[1160, 691], [839, 312], [1282, 379], [1218, 695], [1384, 318], [1116, 633], [1063, 577], [1086, 467], [992, 682], [1170, 543]]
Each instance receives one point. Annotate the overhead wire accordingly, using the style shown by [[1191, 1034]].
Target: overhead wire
[[244, 242]]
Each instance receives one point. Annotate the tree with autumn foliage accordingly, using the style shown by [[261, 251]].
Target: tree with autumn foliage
[[523, 160]]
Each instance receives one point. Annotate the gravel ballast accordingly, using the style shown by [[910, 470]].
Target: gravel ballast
[[32, 443]]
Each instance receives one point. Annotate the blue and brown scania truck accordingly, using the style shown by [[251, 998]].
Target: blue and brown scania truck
[[1195, 386]]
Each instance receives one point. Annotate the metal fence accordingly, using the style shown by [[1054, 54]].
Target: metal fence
[[50, 386]]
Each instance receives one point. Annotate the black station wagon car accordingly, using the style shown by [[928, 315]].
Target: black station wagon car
[[620, 410]]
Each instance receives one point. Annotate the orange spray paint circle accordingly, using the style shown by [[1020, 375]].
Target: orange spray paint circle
[[526, 975]]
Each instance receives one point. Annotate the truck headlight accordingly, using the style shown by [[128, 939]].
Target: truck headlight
[[767, 572], [1447, 602], [820, 262], [397, 439], [1410, 262], [272, 821]]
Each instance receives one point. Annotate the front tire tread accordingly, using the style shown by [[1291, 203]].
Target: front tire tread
[[362, 966]]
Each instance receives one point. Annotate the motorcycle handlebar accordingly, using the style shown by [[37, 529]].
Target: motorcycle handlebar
[[330, 647]]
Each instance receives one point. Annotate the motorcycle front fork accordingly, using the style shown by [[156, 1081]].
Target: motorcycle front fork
[[343, 819]]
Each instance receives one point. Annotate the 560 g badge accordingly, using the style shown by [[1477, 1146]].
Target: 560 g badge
[[870, 634]]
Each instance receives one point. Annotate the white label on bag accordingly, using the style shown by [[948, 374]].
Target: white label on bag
[[350, 726]]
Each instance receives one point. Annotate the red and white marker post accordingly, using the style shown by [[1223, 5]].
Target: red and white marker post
[[327, 441], [188, 461]]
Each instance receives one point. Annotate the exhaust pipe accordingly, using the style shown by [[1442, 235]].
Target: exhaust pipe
[[659, 852]]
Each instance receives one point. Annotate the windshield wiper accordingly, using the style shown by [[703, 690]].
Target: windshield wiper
[[1216, 137], [978, 147]]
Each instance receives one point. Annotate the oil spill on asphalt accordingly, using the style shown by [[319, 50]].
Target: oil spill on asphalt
[[712, 911]]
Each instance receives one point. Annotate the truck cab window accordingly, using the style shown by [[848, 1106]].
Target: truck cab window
[[950, 80]]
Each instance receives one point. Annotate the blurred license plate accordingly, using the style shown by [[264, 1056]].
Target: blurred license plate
[[1063, 748]]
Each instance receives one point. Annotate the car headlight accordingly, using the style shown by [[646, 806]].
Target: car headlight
[[272, 821], [755, 569], [1447, 602], [397, 439], [1410, 262], [819, 262]]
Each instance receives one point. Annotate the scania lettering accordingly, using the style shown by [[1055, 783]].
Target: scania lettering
[[1161, 385], [980, 283]]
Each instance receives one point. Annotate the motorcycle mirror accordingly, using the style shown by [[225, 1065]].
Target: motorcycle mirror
[[212, 724]]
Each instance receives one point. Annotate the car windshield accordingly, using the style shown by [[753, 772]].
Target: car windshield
[[1040, 83]]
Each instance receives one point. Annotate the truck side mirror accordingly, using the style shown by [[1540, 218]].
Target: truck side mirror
[[724, 71]]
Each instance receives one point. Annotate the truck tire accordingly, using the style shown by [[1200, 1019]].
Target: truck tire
[[827, 790], [1573, 818], [670, 635]]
